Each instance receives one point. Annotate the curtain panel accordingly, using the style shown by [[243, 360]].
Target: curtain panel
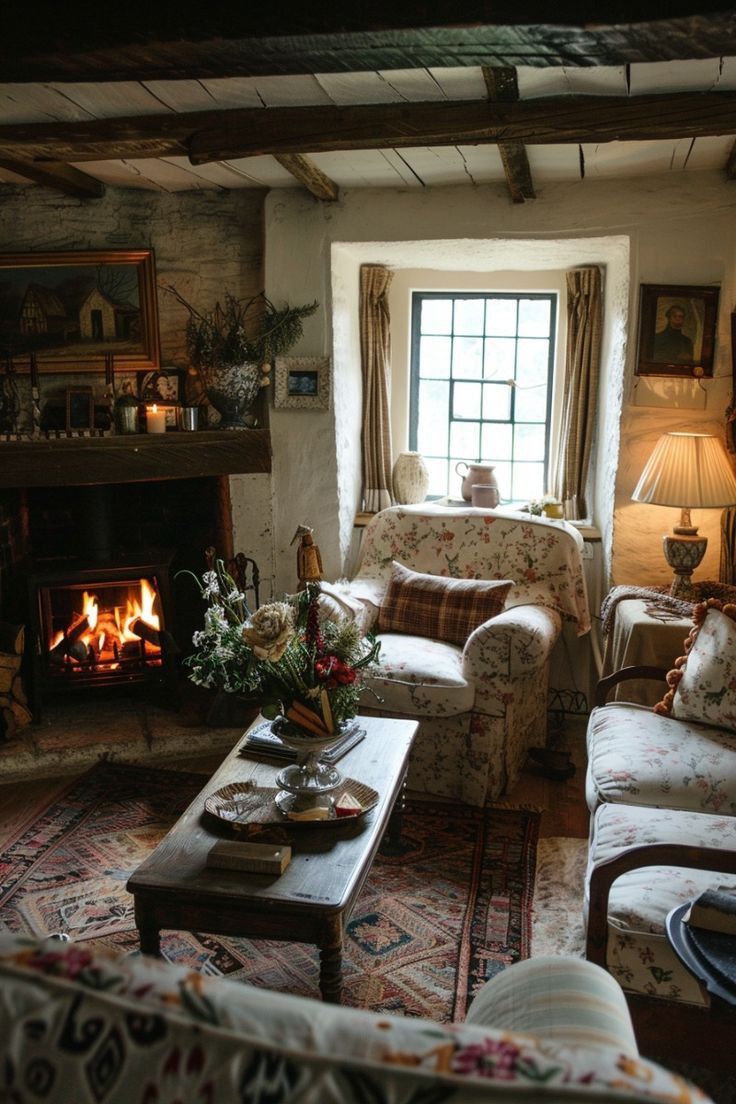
[[580, 396], [375, 349]]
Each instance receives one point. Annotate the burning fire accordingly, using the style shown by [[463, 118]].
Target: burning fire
[[105, 635]]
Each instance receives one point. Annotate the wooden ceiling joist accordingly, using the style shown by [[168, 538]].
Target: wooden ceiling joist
[[144, 41], [503, 87], [246, 132], [306, 172], [65, 178]]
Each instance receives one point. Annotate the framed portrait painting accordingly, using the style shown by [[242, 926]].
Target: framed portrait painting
[[79, 310], [677, 330], [302, 383]]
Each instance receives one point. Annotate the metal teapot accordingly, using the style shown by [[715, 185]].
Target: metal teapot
[[475, 475]]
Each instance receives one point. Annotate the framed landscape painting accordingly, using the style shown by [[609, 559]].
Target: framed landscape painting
[[677, 330], [73, 310]]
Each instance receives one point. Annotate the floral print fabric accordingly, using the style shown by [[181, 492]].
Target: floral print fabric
[[707, 690], [639, 955], [643, 758], [78, 1027], [476, 723]]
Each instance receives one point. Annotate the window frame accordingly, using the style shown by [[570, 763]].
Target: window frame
[[415, 335]]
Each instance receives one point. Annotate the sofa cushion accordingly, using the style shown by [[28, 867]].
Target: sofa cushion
[[639, 758], [420, 677], [638, 954], [439, 607], [703, 683]]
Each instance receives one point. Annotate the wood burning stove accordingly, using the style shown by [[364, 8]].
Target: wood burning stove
[[101, 625]]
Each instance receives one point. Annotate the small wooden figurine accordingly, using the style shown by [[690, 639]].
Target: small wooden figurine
[[308, 558]]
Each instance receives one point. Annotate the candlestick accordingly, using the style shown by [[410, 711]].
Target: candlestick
[[109, 369], [34, 371], [155, 419]]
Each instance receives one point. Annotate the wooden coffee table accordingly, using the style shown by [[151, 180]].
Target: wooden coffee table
[[312, 900]]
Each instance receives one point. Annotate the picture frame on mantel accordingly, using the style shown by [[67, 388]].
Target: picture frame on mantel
[[74, 309], [677, 330], [302, 383]]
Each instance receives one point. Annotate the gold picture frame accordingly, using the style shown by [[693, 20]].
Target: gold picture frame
[[302, 383], [72, 310], [677, 330]]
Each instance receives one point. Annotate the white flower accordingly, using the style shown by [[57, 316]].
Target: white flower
[[269, 630], [211, 587]]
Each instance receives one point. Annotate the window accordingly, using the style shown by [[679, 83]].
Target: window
[[481, 387]]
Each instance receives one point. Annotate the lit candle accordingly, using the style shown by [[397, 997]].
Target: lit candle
[[155, 419]]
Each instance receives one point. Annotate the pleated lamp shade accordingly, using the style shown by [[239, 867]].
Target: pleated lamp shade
[[687, 469], [691, 471]]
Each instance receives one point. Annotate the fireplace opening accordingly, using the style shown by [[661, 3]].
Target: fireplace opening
[[106, 598]]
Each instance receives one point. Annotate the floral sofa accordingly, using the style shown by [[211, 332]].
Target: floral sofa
[[661, 788], [77, 1027], [483, 703]]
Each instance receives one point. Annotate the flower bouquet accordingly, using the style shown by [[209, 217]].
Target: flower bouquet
[[306, 673]]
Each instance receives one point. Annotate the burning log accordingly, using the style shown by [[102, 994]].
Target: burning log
[[69, 644], [144, 631]]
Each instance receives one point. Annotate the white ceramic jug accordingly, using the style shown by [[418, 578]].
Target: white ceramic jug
[[476, 474]]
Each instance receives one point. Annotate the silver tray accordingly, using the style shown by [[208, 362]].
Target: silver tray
[[241, 804]]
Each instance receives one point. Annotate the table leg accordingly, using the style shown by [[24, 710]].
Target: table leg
[[149, 933], [330, 965], [391, 842]]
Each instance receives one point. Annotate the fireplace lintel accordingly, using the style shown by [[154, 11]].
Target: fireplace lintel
[[80, 461]]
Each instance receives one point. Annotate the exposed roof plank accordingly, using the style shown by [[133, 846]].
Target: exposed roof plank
[[232, 134], [502, 87], [306, 172], [65, 178]]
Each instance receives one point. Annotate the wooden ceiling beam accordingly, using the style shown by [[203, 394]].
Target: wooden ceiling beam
[[503, 87], [144, 41], [65, 178], [246, 132], [306, 172]]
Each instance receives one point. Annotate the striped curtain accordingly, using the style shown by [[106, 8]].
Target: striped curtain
[[375, 349], [582, 370], [727, 572]]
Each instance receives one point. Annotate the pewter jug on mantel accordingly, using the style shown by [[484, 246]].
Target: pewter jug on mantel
[[476, 474]]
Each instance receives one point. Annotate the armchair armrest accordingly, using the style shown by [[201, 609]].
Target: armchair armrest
[[514, 645], [606, 685], [647, 854]]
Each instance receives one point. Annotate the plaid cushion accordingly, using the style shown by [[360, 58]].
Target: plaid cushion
[[438, 607]]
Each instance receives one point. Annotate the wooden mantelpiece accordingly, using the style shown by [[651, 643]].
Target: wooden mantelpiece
[[133, 458]]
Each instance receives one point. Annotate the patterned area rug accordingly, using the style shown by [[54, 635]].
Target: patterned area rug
[[447, 910]]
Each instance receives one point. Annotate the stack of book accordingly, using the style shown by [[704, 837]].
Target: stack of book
[[262, 741]]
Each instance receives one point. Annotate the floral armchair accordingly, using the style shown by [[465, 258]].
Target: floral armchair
[[482, 703]]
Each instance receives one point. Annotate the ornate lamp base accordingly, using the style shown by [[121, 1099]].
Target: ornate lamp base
[[683, 554]]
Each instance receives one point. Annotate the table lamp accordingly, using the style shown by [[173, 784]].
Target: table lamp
[[688, 470]]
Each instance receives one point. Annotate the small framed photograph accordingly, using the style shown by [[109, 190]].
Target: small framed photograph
[[166, 385], [302, 383], [80, 408], [677, 330]]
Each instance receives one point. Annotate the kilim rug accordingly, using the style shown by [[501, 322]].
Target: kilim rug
[[450, 907]]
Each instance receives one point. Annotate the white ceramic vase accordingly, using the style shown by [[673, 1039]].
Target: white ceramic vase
[[410, 478]]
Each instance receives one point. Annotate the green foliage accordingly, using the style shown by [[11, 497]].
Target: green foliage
[[237, 331]]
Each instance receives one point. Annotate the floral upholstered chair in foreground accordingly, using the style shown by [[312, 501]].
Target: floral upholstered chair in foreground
[[661, 788], [467, 605]]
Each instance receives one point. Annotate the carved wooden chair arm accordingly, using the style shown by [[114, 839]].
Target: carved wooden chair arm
[[607, 684], [647, 854]]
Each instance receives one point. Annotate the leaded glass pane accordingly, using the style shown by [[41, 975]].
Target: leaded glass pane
[[528, 481], [469, 316], [466, 400], [436, 316], [534, 317], [496, 441], [501, 317], [532, 362], [434, 357], [500, 358], [434, 416], [465, 440], [467, 359], [531, 405], [529, 441], [496, 401], [438, 484]]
